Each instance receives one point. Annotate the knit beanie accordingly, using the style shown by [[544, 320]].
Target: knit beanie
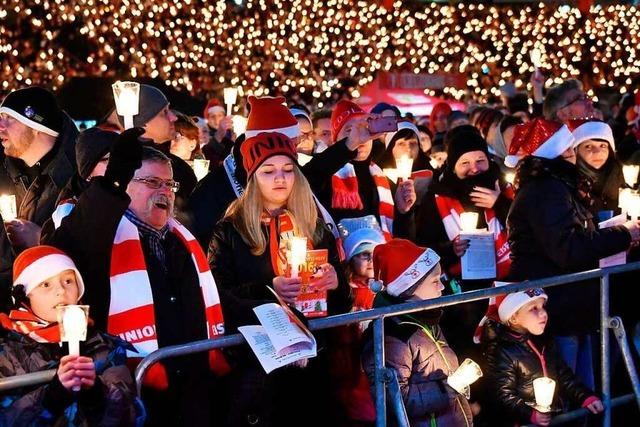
[[151, 102], [38, 263], [92, 145], [36, 108], [342, 113], [461, 140], [399, 264], [269, 114], [257, 149]]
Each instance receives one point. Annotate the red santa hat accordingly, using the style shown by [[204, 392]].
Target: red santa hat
[[212, 106], [341, 114], [503, 307], [399, 264], [585, 129], [269, 114], [540, 138], [37, 264]]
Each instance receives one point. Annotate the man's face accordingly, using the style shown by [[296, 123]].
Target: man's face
[[214, 118], [322, 131], [161, 128], [577, 105], [305, 140], [16, 137], [152, 205]]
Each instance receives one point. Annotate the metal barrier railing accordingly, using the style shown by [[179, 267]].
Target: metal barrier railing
[[385, 376]]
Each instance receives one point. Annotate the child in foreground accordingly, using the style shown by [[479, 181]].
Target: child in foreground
[[517, 352], [44, 278]]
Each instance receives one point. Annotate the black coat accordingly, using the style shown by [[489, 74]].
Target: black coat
[[87, 235], [512, 365], [552, 233]]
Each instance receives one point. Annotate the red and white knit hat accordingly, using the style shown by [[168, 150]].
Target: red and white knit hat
[[586, 129], [37, 264], [540, 138], [341, 114], [503, 307], [399, 264], [257, 149], [270, 114]]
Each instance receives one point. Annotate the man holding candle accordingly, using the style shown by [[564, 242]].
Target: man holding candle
[[220, 128], [38, 140]]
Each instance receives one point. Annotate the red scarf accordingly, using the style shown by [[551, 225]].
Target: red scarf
[[24, 322], [345, 194], [362, 295], [450, 210]]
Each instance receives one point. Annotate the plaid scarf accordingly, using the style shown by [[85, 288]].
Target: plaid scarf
[[150, 235]]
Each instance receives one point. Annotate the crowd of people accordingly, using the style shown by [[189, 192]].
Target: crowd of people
[[314, 52]]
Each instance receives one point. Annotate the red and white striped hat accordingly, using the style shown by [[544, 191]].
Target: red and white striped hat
[[37, 264]]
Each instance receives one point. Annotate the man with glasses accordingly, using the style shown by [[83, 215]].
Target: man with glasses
[[567, 101], [150, 282]]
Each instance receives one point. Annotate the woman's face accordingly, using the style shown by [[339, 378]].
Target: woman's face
[[594, 152], [183, 146], [471, 163], [362, 265], [425, 142], [275, 178], [405, 147], [431, 286]]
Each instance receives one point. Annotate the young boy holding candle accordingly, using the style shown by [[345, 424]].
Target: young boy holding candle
[[44, 278], [518, 352]]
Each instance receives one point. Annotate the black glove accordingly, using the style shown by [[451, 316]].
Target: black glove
[[125, 158]]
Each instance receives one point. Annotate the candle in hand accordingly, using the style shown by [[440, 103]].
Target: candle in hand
[[630, 173], [391, 173], [633, 205], [73, 327], [536, 58], [466, 374], [230, 96], [297, 253], [469, 221], [200, 168], [127, 96], [8, 207], [404, 164], [543, 389]]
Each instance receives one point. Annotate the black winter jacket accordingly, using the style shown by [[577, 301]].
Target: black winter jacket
[[511, 367], [552, 233]]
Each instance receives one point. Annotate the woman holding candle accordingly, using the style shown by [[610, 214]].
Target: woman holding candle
[[406, 142], [248, 254], [518, 352], [415, 346], [97, 382]]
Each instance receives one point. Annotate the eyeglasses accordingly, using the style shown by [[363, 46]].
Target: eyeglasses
[[157, 183], [581, 98]]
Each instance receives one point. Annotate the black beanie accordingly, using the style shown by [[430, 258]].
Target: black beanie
[[150, 103], [464, 139], [91, 146], [36, 108]]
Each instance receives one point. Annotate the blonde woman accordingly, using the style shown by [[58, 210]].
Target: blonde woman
[[248, 254]]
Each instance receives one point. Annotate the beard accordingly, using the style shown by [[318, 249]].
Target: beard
[[18, 146]]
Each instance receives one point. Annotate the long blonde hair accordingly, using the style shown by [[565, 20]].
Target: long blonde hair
[[246, 212]]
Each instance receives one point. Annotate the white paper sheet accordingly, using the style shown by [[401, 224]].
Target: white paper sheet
[[621, 257], [479, 261]]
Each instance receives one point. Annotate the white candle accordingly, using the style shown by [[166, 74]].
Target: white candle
[[230, 96], [623, 199], [200, 168], [469, 221], [8, 207], [536, 58], [633, 205], [297, 253], [239, 124], [73, 327], [127, 96], [543, 389], [391, 173], [404, 164], [630, 173], [466, 374], [510, 177]]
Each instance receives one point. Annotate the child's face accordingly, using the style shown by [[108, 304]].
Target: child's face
[[532, 317], [362, 265], [431, 286], [61, 289]]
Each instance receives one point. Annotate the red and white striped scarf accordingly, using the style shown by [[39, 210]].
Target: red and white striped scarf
[[450, 210], [131, 309], [24, 322], [345, 194]]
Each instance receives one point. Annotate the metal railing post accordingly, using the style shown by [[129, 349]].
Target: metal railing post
[[621, 336], [397, 400], [604, 349], [381, 391]]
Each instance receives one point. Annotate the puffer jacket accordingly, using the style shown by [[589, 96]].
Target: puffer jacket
[[551, 232], [511, 367], [422, 363], [111, 402]]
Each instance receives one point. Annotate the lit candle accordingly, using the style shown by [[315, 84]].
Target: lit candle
[[127, 96], [230, 96], [391, 173], [297, 253], [404, 164], [239, 124], [510, 177], [623, 200], [8, 207], [543, 389], [469, 221], [200, 168], [536, 58], [466, 374], [630, 173], [633, 205], [73, 327]]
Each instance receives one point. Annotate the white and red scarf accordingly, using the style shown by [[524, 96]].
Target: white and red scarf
[[450, 210], [345, 194], [25, 322]]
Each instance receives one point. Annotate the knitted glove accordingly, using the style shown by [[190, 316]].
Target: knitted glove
[[125, 158]]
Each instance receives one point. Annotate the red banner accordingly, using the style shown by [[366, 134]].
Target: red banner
[[421, 81]]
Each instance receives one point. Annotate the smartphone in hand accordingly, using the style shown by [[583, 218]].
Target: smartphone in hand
[[382, 124]]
